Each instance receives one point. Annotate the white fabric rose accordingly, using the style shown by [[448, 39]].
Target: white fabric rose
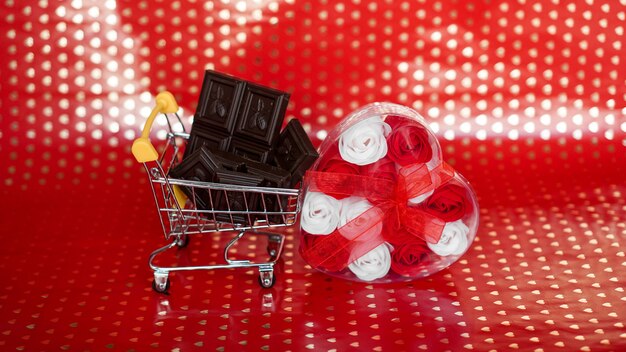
[[353, 207], [364, 143], [374, 264], [320, 213], [453, 239]]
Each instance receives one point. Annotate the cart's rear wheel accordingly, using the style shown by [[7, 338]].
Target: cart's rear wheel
[[267, 279], [161, 287], [182, 241]]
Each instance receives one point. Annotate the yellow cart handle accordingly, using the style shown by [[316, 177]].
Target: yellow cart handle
[[142, 148]]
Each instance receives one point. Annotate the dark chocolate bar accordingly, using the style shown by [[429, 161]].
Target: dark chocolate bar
[[236, 200], [273, 177], [294, 151], [219, 101], [197, 166], [202, 136], [249, 150], [261, 114], [238, 116]]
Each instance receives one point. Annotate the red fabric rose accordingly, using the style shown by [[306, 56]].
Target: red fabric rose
[[394, 233], [408, 141], [411, 258], [332, 162], [332, 254], [449, 203], [339, 166], [383, 168]]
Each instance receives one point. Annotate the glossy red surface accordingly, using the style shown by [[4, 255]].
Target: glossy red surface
[[527, 98]]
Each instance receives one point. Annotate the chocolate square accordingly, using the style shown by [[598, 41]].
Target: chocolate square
[[261, 114], [294, 151], [236, 200], [203, 136], [219, 101], [197, 166], [249, 150]]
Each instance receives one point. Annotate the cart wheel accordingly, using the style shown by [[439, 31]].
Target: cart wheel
[[182, 241], [267, 279], [162, 287]]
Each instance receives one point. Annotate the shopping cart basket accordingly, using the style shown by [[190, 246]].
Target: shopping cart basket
[[180, 216]]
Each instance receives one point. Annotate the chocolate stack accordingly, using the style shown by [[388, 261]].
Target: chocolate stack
[[235, 139]]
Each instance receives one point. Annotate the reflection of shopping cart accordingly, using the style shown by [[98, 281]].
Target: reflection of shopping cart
[[181, 216]]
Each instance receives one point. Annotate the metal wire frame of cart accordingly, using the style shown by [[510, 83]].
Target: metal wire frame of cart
[[180, 215]]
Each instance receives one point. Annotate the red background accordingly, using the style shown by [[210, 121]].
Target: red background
[[528, 99]]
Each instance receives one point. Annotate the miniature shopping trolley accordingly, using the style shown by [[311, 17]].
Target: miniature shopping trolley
[[180, 215]]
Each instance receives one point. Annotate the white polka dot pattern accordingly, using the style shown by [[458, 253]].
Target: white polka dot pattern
[[527, 98]]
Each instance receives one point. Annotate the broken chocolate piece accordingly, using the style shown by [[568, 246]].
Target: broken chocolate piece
[[198, 166], [294, 151]]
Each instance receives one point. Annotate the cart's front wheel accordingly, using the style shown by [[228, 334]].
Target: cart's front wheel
[[161, 288], [267, 279], [161, 283]]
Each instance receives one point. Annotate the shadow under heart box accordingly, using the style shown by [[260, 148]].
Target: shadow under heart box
[[380, 205]]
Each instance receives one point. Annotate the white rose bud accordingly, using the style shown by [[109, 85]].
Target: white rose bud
[[374, 264], [320, 213], [353, 207], [453, 239], [365, 142]]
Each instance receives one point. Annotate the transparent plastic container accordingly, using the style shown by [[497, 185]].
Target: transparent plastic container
[[380, 205]]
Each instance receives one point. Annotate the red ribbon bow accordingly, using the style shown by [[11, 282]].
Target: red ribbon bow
[[390, 200]]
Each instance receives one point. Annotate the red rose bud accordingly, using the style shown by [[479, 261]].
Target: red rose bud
[[333, 163], [383, 168], [449, 203], [394, 233], [408, 142], [337, 165], [328, 252], [411, 259]]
